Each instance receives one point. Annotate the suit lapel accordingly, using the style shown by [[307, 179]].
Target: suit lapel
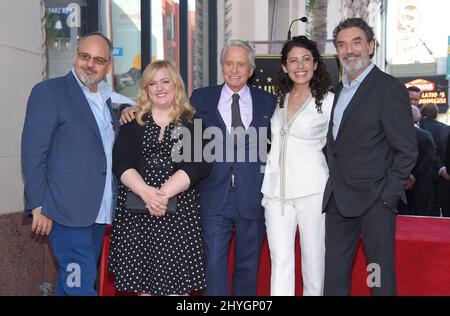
[[258, 114], [114, 120], [330, 124], [365, 86], [79, 100], [256, 110], [213, 110], [217, 120]]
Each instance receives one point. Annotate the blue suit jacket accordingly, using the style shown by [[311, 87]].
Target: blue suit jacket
[[63, 158], [248, 175]]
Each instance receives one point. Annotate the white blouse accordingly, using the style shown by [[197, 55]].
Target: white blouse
[[296, 166]]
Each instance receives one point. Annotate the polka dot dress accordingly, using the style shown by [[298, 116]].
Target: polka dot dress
[[161, 256]]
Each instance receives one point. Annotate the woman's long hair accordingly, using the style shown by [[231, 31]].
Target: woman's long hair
[[182, 108], [320, 82]]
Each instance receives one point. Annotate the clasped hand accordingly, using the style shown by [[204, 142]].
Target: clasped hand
[[155, 200]]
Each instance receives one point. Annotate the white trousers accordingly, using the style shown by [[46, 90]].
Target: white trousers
[[306, 213]]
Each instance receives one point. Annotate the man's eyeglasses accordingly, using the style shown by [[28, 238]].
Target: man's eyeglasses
[[97, 60]]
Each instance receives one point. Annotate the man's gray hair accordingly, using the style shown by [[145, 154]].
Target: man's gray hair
[[243, 44], [416, 114]]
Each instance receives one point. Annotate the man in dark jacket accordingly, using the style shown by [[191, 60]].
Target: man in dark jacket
[[441, 178], [419, 188], [371, 150]]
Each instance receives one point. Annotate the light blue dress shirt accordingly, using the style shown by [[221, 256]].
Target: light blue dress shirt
[[99, 108], [346, 95]]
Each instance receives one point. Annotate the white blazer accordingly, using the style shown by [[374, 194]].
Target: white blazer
[[296, 166]]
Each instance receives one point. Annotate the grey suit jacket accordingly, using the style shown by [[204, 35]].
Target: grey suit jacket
[[375, 149]]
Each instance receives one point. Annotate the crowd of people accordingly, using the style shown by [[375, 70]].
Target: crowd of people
[[333, 166], [427, 190]]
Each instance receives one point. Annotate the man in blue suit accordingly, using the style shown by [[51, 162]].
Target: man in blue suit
[[231, 195], [67, 144]]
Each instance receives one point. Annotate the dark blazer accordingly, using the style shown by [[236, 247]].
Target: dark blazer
[[439, 131], [447, 152], [375, 149], [425, 145], [129, 148], [248, 175], [63, 158], [420, 197]]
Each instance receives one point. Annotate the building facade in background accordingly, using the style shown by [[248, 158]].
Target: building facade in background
[[412, 45], [191, 33]]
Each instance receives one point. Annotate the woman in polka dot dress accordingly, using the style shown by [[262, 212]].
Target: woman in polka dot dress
[[158, 253]]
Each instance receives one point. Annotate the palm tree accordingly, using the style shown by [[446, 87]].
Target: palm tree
[[317, 14], [356, 9]]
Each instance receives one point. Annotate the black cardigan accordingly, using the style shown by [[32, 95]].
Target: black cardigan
[[128, 149]]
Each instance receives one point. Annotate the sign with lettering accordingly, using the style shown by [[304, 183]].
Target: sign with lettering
[[434, 90], [74, 18], [117, 51]]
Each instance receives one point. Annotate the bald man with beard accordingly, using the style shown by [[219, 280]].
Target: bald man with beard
[[67, 144]]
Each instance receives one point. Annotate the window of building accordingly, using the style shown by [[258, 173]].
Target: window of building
[[165, 30], [167, 40], [179, 33], [65, 22], [170, 27], [193, 81], [120, 20]]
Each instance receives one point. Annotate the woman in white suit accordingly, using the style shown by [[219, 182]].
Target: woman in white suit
[[296, 171]]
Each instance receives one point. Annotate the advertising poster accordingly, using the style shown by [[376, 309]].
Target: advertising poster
[[434, 90]]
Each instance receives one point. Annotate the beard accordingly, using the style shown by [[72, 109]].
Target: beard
[[85, 79], [354, 69]]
